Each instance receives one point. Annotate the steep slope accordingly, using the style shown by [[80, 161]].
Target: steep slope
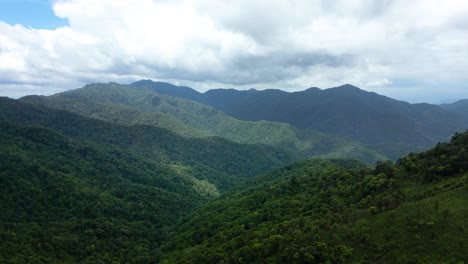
[[346, 110], [65, 201], [459, 107], [129, 105], [210, 160], [324, 212]]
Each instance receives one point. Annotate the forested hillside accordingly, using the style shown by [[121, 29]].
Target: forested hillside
[[65, 201], [323, 212], [81, 190], [215, 160], [346, 110], [129, 105]]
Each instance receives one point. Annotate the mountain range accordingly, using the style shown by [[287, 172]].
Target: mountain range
[[347, 111], [128, 105], [156, 173]]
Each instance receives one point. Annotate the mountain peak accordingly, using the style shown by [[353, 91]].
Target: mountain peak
[[140, 82], [347, 86], [311, 89]]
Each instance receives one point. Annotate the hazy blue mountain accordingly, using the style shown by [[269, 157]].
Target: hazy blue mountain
[[459, 107], [346, 110], [126, 105]]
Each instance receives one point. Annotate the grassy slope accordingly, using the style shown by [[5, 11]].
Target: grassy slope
[[131, 105]]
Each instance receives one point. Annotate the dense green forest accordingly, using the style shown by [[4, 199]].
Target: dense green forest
[[82, 190], [128, 105], [321, 211], [64, 201], [76, 189]]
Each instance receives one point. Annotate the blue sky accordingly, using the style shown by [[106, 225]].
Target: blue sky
[[30, 13], [414, 50]]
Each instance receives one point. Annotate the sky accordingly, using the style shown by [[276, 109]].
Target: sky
[[415, 50]]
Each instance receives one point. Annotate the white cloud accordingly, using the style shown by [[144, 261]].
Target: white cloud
[[411, 46]]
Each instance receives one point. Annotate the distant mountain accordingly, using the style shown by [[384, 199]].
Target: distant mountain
[[322, 211], [459, 107], [346, 110], [129, 105]]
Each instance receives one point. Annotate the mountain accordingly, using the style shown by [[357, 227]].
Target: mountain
[[346, 111], [459, 107], [321, 211], [130, 105], [214, 162]]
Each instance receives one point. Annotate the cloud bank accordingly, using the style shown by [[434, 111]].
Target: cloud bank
[[414, 50]]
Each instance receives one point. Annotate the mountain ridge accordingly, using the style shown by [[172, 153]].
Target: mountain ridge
[[344, 110], [460, 107]]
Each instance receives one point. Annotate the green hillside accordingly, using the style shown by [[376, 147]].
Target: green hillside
[[324, 212], [81, 190], [132, 105], [65, 201], [214, 160]]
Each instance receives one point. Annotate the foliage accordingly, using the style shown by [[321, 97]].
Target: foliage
[[436, 163]]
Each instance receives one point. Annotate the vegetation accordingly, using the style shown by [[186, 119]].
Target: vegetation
[[321, 212], [129, 105]]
